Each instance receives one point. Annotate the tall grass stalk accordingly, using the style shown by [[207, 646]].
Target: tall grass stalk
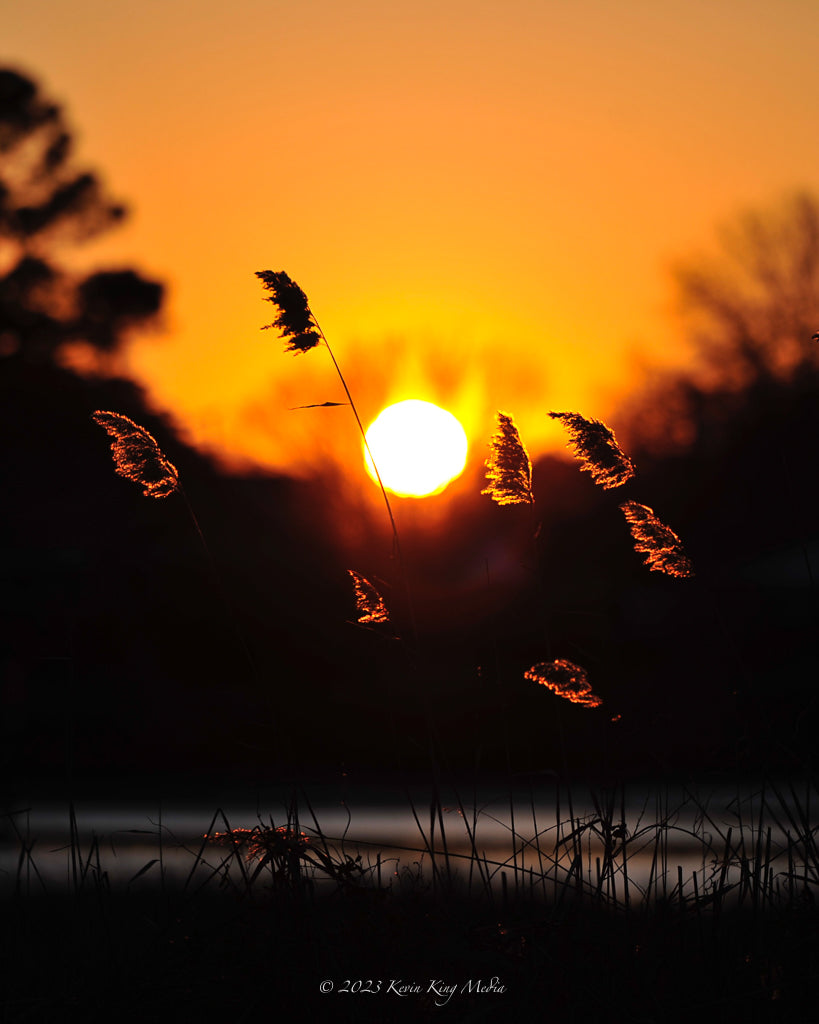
[[138, 457], [396, 539], [298, 322]]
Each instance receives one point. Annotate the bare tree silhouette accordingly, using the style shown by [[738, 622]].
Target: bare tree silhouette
[[749, 309], [753, 304]]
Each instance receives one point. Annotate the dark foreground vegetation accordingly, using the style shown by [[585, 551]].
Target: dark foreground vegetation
[[285, 919], [401, 951]]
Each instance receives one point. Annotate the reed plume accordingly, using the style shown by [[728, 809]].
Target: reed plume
[[137, 456], [593, 443], [260, 842], [566, 680], [661, 546], [295, 321], [508, 468], [369, 603]]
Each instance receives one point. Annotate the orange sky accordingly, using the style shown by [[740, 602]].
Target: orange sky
[[479, 198]]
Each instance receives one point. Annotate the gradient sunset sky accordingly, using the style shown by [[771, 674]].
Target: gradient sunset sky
[[480, 199]]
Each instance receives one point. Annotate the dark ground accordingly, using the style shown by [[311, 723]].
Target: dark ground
[[151, 956]]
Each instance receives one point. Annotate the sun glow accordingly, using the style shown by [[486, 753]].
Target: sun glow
[[418, 447]]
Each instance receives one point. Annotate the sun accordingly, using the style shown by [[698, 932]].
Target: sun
[[418, 447]]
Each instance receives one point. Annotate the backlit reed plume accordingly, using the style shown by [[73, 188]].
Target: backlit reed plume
[[661, 546], [508, 468], [295, 321], [260, 842], [566, 680], [368, 602], [593, 443], [137, 456]]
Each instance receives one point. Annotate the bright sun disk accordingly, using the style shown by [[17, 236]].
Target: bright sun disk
[[418, 447]]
